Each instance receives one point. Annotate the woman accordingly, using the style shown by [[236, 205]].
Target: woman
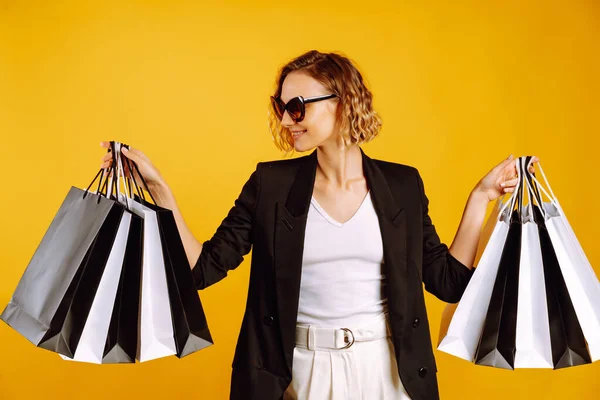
[[341, 245]]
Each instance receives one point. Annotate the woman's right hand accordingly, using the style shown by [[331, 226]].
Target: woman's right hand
[[149, 172]]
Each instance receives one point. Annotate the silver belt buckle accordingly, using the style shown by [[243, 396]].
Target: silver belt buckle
[[346, 339]]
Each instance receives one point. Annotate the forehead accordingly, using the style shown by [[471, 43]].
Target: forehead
[[300, 84]]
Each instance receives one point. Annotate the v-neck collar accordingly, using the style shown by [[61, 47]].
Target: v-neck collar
[[333, 221]]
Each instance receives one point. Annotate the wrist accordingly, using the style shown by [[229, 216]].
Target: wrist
[[479, 196], [162, 193]]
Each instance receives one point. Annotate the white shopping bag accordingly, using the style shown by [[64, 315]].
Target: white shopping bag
[[156, 326], [464, 331], [533, 346], [582, 283]]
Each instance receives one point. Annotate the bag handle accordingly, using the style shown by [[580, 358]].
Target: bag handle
[[121, 173], [532, 193], [550, 196], [131, 177], [533, 189], [513, 197], [101, 187]]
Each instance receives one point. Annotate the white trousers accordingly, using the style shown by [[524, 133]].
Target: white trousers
[[365, 370]]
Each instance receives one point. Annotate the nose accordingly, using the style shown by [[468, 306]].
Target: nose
[[286, 120]]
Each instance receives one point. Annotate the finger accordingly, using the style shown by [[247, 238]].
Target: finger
[[129, 156], [506, 163], [105, 145], [137, 153], [132, 154], [507, 169], [509, 189], [106, 164], [510, 182], [532, 162]]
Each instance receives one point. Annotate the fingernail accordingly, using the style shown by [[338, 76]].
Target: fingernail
[[503, 184], [509, 157], [124, 149]]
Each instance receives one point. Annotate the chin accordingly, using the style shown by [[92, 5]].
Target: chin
[[301, 148]]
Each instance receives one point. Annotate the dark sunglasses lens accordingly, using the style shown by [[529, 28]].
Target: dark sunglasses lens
[[295, 108], [277, 107]]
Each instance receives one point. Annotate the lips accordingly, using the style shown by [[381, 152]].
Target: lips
[[297, 134]]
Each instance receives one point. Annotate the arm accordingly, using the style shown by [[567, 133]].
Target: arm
[[232, 240], [464, 245], [446, 272], [164, 198], [210, 260], [444, 276]]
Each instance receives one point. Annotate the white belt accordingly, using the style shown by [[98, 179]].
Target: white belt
[[315, 338]]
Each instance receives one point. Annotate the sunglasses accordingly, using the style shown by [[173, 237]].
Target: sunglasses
[[296, 106]]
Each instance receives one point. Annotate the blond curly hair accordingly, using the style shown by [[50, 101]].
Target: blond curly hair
[[358, 121]]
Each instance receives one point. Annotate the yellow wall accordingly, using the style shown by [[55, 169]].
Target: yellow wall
[[460, 85]]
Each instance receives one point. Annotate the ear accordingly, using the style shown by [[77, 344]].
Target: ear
[[332, 106]]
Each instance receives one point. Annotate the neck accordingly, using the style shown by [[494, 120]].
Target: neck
[[339, 165]]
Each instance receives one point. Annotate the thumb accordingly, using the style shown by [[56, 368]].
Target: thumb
[[505, 163]]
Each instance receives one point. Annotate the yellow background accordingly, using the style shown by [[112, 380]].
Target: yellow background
[[460, 86]]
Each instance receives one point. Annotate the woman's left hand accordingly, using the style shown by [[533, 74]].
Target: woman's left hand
[[501, 179]]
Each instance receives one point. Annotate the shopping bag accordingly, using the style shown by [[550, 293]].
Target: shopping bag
[[566, 336], [569, 347], [122, 338], [579, 276], [94, 328], [497, 344], [43, 307], [189, 322], [466, 324], [465, 327], [533, 347], [156, 324]]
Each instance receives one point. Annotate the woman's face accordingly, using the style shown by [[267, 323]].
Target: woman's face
[[319, 124]]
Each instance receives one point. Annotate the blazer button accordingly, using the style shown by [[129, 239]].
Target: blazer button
[[422, 372], [416, 322], [268, 321]]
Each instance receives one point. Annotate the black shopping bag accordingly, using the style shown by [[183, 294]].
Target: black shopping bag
[[497, 344], [71, 255], [189, 321], [568, 343], [122, 338]]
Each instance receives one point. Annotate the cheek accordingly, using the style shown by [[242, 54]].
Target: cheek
[[321, 125]]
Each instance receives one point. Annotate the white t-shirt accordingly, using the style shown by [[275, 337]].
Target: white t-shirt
[[342, 282]]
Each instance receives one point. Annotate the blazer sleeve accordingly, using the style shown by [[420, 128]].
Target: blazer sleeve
[[443, 275], [232, 240]]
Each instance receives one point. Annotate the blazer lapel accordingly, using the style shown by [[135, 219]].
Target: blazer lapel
[[392, 223], [290, 226]]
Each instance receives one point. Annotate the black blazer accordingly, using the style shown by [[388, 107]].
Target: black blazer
[[269, 216]]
